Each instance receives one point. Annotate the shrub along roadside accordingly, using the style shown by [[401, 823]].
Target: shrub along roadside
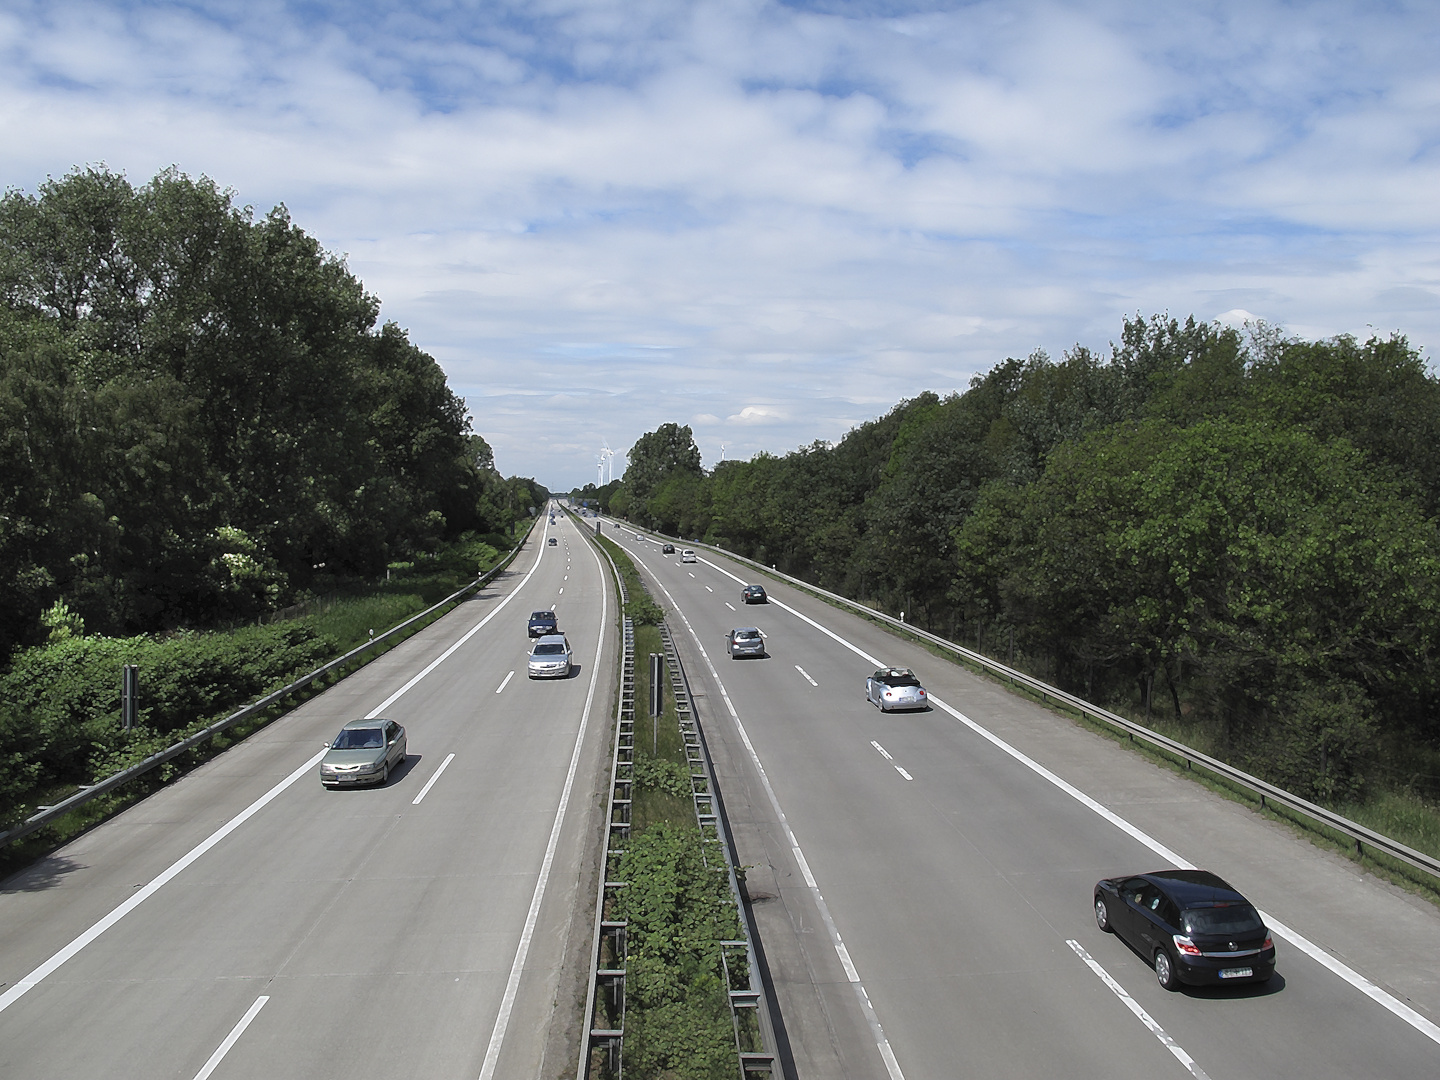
[[60, 709], [677, 909]]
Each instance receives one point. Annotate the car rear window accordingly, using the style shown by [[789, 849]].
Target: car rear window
[[1233, 919], [550, 649], [901, 680], [542, 616], [746, 635]]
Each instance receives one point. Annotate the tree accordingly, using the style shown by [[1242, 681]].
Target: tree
[[655, 455]]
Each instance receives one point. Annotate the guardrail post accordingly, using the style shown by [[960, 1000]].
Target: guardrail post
[[129, 695]]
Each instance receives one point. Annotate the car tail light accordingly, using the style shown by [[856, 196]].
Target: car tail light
[[1269, 943], [922, 693], [1186, 946]]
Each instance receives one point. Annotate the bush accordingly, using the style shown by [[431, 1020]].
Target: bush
[[60, 703]]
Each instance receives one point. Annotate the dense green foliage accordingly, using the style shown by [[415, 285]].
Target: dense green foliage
[[60, 704], [677, 910], [1242, 527], [198, 414]]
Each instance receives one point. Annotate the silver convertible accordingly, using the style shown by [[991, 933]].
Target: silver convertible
[[896, 688]]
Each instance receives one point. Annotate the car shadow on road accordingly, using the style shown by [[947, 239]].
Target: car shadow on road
[[1273, 985], [575, 670]]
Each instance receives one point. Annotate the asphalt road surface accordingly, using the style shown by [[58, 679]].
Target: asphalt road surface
[[435, 927], [945, 926]]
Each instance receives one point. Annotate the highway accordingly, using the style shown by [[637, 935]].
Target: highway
[[922, 881], [246, 922]]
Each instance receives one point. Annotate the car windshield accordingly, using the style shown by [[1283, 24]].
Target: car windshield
[[1234, 919], [370, 738], [746, 635], [550, 649]]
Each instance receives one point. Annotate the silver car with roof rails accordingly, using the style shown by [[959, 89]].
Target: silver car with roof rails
[[550, 658]]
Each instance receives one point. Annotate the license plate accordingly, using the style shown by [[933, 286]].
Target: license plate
[[1236, 973]]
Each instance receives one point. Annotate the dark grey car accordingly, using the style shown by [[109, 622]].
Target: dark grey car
[[364, 752], [745, 641]]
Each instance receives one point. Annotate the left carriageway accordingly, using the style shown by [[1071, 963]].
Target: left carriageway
[[246, 922]]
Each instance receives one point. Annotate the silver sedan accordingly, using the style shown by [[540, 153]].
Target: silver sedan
[[896, 688], [550, 658], [364, 752]]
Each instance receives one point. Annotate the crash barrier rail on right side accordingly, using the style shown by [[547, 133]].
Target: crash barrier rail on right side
[[1268, 793], [115, 780]]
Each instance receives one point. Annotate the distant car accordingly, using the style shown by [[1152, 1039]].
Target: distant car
[[364, 752], [1190, 924], [550, 658], [896, 688], [753, 594], [667, 549], [687, 555], [553, 541], [542, 623], [745, 641]]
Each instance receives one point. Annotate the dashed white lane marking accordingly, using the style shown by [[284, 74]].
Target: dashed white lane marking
[[882, 1043], [886, 755], [708, 589], [232, 1038], [37, 976], [1144, 1017], [504, 682], [1381, 997], [522, 952], [729, 605], [688, 572], [431, 782], [803, 672], [562, 588]]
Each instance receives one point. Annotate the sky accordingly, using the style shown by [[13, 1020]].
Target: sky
[[773, 221]]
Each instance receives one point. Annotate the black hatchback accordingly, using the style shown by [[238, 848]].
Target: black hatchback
[[1190, 924], [542, 623]]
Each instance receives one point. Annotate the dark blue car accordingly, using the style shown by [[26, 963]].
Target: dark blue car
[[542, 623], [1190, 924]]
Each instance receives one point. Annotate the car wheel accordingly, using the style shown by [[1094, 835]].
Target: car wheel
[[384, 776], [1165, 971], [1102, 916]]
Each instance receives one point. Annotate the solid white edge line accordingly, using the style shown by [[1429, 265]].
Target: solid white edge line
[[398, 694], [877, 1032], [1381, 997], [431, 782], [232, 1038], [505, 682], [1136, 1008], [35, 977], [30, 981], [512, 985]]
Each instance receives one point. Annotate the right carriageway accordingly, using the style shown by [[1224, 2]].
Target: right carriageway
[[922, 881]]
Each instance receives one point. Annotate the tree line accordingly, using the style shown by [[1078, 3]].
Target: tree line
[[1233, 530], [199, 417]]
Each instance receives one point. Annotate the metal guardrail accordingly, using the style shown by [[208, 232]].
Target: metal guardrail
[[115, 780], [749, 1010], [608, 943], [1268, 793]]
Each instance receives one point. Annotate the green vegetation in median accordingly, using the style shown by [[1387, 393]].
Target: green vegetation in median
[[677, 908]]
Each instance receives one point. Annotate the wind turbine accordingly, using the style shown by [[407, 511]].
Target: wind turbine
[[606, 454], [722, 451]]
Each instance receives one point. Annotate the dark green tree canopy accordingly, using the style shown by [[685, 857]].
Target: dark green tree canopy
[[657, 454], [199, 412]]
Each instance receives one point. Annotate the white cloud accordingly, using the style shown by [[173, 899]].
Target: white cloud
[[600, 216]]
